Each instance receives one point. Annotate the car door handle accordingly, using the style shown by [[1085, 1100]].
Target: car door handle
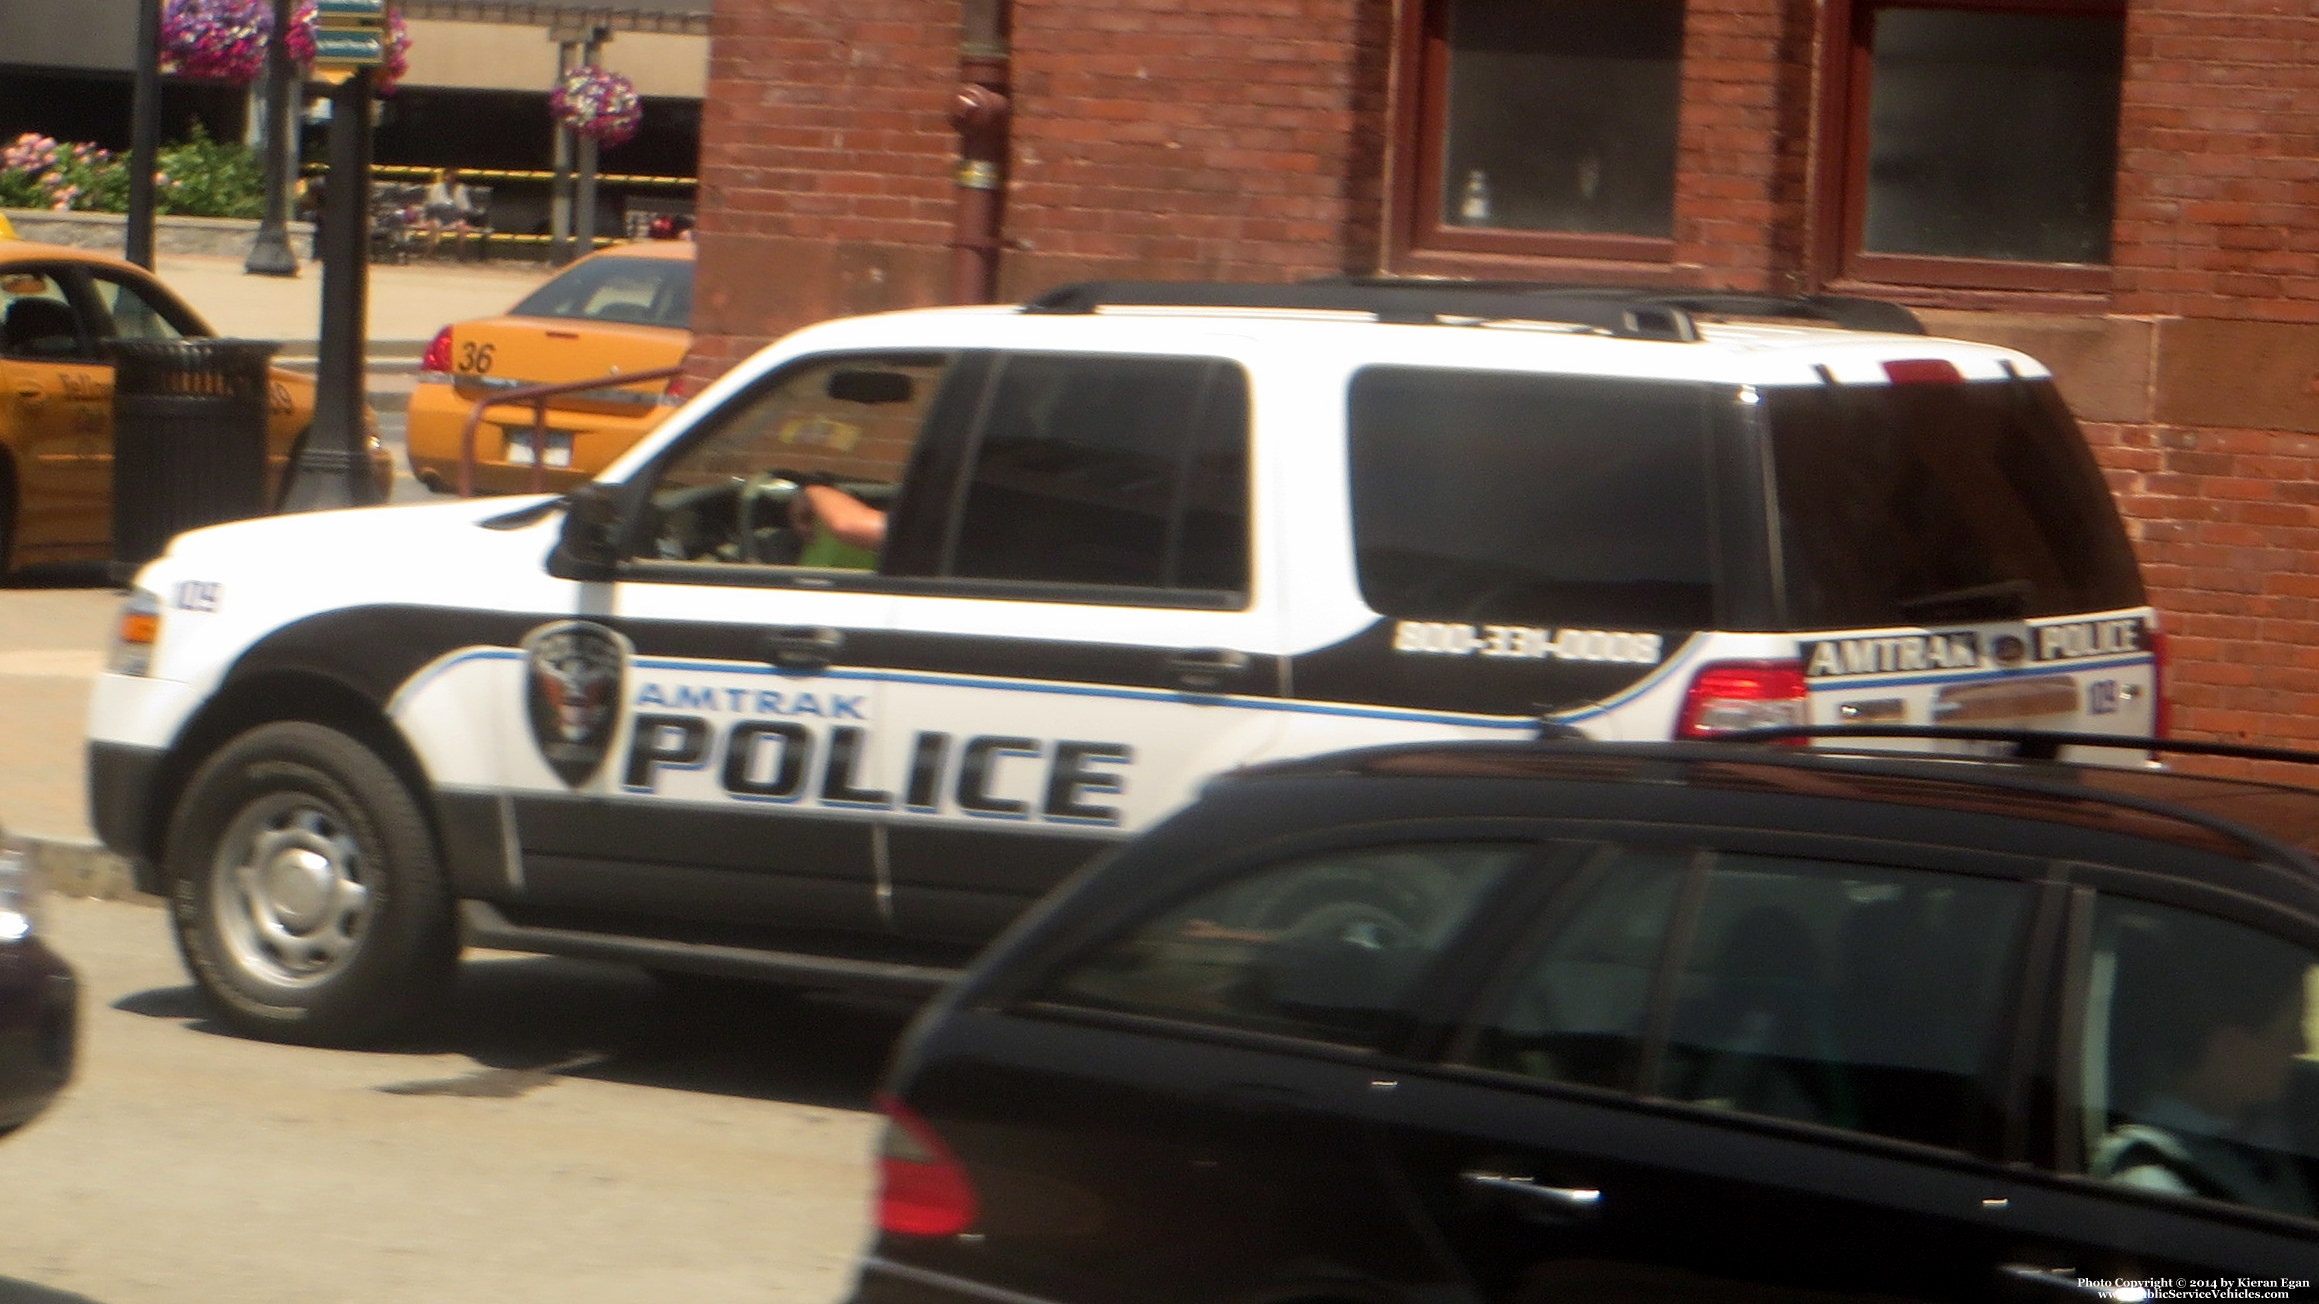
[[2066, 1281], [808, 647], [1561, 1200], [1207, 669], [32, 393]]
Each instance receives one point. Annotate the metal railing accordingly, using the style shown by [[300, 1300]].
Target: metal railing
[[538, 396]]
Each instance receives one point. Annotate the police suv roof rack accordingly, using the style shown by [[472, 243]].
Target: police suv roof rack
[[1848, 312], [1614, 312]]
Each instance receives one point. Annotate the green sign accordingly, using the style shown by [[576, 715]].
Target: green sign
[[329, 12], [356, 46]]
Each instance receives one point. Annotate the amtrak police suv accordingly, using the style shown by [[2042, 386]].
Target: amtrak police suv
[[1133, 535]]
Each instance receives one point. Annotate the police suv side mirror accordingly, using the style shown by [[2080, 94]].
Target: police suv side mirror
[[588, 548]]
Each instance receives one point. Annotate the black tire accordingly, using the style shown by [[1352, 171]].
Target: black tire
[[307, 897]]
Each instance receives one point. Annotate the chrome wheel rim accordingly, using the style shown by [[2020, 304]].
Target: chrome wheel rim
[[291, 890]]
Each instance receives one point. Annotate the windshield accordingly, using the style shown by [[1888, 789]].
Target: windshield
[[1912, 503], [645, 291]]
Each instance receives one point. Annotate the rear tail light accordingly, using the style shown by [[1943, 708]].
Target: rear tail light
[[922, 1188], [674, 393], [438, 354], [1728, 696]]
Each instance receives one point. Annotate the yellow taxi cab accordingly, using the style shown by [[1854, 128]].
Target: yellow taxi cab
[[58, 308], [623, 309]]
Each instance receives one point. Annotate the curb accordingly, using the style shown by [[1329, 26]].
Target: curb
[[84, 869]]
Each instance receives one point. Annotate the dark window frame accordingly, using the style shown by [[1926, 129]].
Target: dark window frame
[[1419, 119], [1842, 210]]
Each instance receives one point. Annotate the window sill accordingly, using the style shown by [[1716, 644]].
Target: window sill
[[1973, 300]]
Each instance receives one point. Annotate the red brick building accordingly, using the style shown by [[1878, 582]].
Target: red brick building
[[2128, 189]]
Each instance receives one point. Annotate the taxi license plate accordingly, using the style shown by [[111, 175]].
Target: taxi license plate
[[555, 448]]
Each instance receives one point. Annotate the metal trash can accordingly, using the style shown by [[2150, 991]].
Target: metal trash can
[[189, 439]]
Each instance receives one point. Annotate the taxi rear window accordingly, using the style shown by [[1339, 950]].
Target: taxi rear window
[[640, 291], [1531, 499], [1908, 503]]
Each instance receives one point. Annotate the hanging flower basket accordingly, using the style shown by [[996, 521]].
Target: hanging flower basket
[[223, 39], [300, 39], [598, 103]]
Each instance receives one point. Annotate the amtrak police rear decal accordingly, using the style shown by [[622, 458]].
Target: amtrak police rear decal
[[573, 670]]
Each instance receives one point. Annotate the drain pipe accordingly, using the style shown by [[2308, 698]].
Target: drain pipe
[[979, 111]]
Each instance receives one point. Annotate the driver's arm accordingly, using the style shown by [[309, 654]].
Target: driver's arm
[[845, 517]]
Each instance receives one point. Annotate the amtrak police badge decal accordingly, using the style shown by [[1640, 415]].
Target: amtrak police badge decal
[[572, 680]]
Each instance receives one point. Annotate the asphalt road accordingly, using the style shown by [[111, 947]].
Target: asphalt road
[[572, 1135]]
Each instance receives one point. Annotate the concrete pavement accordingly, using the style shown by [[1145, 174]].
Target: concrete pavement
[[53, 630]]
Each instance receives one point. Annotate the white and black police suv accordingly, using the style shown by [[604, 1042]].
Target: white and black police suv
[[1133, 535]]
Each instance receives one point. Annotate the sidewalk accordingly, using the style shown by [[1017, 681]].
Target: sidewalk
[[52, 639]]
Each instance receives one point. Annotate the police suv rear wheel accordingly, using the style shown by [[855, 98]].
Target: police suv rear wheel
[[307, 897]]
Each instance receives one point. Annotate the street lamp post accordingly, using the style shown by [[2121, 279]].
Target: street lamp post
[[270, 253], [333, 467], [144, 136]]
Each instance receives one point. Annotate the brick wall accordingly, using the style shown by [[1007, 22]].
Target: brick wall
[[2218, 217], [1248, 138], [825, 166]]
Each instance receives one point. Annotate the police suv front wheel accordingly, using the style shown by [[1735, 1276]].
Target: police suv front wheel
[[306, 893]]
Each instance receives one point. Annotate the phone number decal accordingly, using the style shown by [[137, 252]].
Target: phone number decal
[[1525, 642]]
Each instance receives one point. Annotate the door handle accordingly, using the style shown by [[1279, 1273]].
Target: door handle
[[806, 647], [1563, 1201], [32, 393], [1207, 669], [2065, 1281]]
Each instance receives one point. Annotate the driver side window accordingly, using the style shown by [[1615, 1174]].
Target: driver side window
[[802, 472]]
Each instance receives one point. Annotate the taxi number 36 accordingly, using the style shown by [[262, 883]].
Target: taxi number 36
[[1524, 641], [475, 357]]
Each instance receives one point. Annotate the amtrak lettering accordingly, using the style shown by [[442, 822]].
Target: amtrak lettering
[[2089, 638], [987, 776], [1893, 654]]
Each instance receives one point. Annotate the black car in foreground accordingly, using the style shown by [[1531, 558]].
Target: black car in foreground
[[39, 1017], [1569, 1021]]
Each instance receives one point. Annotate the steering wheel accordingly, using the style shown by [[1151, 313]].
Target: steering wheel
[[745, 541]]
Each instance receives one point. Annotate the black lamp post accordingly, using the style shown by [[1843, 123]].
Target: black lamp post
[[333, 467], [270, 253], [144, 136]]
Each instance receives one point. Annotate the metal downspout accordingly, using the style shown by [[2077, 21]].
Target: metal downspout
[[980, 112]]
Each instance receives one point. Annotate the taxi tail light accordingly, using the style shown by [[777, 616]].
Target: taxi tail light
[[1728, 696], [2161, 712], [438, 354], [922, 1188], [674, 392]]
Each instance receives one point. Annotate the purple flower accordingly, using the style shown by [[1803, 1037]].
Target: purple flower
[[597, 103]]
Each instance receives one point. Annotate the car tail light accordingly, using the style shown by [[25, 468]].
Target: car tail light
[[922, 1188], [438, 354], [674, 393], [1922, 371], [1728, 696]]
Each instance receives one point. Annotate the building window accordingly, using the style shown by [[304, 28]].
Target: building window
[[1543, 127], [1981, 143]]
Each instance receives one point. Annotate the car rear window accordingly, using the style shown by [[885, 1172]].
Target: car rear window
[[644, 291], [1908, 503], [1531, 499]]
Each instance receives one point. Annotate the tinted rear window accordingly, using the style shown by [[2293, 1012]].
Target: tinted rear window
[[647, 291], [1905, 504], [1527, 499]]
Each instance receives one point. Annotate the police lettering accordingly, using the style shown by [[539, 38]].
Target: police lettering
[[1899, 654], [992, 776], [2089, 638]]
